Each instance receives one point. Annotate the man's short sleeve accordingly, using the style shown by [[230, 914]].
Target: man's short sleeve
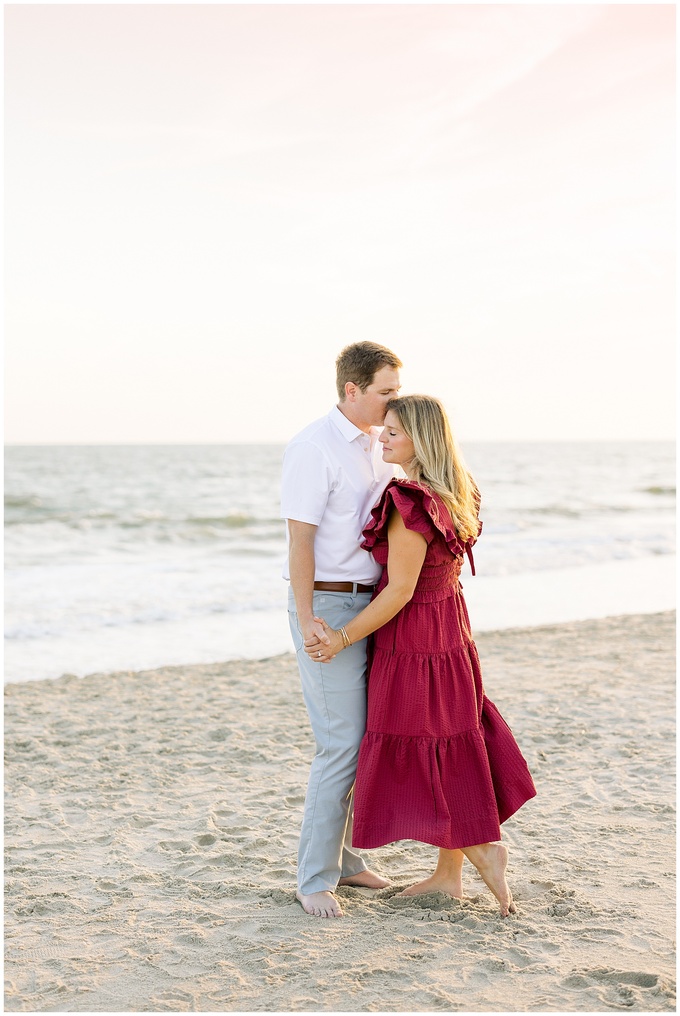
[[306, 483]]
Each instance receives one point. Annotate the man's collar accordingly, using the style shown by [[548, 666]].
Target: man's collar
[[348, 430]]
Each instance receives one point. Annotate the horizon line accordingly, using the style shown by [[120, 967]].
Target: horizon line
[[259, 444]]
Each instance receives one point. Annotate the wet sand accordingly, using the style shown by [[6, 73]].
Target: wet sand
[[152, 823]]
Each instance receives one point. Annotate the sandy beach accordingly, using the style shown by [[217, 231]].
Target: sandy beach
[[152, 823]]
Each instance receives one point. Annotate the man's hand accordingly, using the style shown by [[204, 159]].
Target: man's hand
[[314, 632], [324, 648]]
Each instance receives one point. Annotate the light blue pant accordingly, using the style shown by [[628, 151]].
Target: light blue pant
[[335, 696]]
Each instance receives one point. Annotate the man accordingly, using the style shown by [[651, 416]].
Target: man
[[333, 474]]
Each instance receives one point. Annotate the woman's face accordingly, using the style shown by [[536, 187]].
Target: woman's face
[[397, 447]]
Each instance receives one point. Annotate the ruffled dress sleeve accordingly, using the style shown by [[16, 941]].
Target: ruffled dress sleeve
[[421, 510]]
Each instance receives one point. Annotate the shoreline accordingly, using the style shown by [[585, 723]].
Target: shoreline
[[152, 822], [495, 604]]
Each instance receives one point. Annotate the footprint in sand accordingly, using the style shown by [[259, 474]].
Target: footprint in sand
[[622, 986], [220, 734], [611, 976], [521, 957], [535, 887], [194, 937], [180, 1001], [559, 910], [281, 898], [176, 845]]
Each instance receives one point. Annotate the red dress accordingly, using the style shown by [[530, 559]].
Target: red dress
[[438, 763]]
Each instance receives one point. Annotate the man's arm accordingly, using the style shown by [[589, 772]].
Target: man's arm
[[301, 536]]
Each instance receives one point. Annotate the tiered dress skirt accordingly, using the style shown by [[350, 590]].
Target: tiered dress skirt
[[438, 763]]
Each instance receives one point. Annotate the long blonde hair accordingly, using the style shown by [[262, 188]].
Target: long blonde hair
[[437, 462]]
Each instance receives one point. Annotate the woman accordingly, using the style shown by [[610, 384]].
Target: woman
[[438, 763]]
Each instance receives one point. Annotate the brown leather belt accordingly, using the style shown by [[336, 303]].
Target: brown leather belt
[[342, 587]]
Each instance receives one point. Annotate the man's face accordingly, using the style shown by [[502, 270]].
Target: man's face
[[372, 403]]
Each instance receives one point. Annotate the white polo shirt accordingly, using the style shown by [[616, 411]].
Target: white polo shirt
[[333, 474]]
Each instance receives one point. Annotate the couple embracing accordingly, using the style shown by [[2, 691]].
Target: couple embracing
[[405, 716]]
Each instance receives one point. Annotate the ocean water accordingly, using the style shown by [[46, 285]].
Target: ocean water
[[130, 557]]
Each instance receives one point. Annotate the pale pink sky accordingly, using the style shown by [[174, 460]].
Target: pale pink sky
[[205, 203]]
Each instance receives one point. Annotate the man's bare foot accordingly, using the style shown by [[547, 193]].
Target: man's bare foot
[[436, 884], [323, 904], [364, 880], [491, 860]]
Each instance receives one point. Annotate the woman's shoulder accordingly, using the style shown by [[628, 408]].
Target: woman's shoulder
[[411, 488], [406, 497], [403, 494], [421, 509]]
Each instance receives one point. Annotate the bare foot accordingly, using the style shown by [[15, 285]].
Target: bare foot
[[491, 860], [323, 904], [436, 884], [364, 880]]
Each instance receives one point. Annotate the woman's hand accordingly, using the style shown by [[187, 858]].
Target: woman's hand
[[316, 649]]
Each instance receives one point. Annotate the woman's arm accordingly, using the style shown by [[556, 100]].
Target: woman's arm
[[406, 554]]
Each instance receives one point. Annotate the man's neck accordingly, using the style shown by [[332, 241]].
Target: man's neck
[[346, 410]]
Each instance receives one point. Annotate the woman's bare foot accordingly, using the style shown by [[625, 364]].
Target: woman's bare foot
[[446, 878], [323, 904], [436, 884], [364, 880], [491, 860]]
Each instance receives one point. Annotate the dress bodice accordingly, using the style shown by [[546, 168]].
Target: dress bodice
[[424, 512]]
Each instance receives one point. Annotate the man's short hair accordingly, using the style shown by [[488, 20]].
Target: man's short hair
[[360, 362]]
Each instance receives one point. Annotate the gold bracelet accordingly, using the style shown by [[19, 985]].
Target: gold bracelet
[[346, 641]]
